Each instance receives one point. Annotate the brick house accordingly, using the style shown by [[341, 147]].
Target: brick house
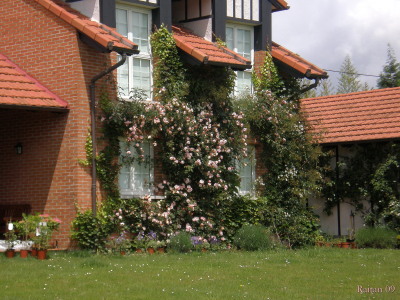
[[53, 51], [345, 121]]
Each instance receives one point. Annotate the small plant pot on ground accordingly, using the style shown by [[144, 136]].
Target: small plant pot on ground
[[10, 253], [150, 250], [42, 254], [23, 253]]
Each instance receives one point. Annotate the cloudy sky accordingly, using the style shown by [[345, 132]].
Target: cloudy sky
[[325, 31]]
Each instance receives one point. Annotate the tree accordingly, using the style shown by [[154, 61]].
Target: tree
[[390, 77], [348, 81], [325, 88]]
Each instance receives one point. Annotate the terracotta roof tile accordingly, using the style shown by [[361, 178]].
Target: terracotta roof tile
[[19, 90], [102, 34], [296, 62], [355, 117], [207, 52], [278, 5]]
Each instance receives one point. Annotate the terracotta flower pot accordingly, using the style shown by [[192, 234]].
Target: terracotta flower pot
[[161, 250], [345, 245], [10, 253], [139, 251], [23, 253], [34, 252], [150, 250], [42, 254]]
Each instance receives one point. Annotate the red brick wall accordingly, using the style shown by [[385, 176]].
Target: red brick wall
[[47, 175], [259, 57]]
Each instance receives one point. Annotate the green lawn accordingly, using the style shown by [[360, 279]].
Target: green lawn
[[319, 273]]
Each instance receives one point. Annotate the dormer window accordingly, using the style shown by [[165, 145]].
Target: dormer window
[[240, 38], [135, 24]]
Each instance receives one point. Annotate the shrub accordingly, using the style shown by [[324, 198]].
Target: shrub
[[89, 231], [181, 242], [253, 238], [376, 237]]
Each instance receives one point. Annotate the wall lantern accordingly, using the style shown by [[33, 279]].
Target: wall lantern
[[18, 148]]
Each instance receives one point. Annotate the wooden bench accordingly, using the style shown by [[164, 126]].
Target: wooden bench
[[13, 213]]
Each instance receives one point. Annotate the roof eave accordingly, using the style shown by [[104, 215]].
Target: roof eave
[[35, 108]]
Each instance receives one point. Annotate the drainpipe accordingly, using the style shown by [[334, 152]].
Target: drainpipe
[[306, 89], [311, 86], [92, 88], [337, 191]]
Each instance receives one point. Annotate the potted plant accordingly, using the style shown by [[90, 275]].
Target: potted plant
[[161, 246], [11, 237], [26, 230], [120, 242], [151, 246], [139, 242], [44, 232]]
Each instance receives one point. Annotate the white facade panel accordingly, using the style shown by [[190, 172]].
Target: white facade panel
[[229, 8], [256, 10], [238, 10], [247, 9], [206, 8], [193, 9], [90, 8], [201, 28], [149, 1]]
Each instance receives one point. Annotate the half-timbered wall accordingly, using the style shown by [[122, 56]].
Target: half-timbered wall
[[195, 15], [243, 9], [90, 8]]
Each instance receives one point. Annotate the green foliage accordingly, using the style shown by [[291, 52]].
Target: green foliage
[[240, 210], [89, 231], [289, 155], [295, 227], [169, 73], [180, 242], [390, 76], [326, 88], [371, 174], [253, 238], [348, 81], [377, 237]]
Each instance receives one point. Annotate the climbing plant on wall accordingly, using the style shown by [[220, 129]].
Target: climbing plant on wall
[[195, 127], [289, 154]]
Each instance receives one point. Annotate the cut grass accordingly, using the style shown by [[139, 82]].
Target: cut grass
[[319, 273]]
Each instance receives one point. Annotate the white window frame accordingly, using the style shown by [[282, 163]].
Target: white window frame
[[235, 28], [142, 55], [248, 162], [131, 191]]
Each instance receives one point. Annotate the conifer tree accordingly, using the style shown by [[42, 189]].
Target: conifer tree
[[325, 88], [390, 77], [348, 81]]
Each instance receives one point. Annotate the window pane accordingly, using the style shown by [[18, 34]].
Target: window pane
[[123, 79], [122, 21], [135, 176], [141, 75], [229, 38], [243, 82], [247, 171], [140, 31]]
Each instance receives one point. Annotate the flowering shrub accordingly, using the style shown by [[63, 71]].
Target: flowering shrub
[[200, 140], [201, 134], [44, 230]]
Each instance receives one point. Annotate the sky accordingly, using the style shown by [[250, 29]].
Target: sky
[[325, 31]]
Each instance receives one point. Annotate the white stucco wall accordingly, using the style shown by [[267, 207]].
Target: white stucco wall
[[90, 8], [201, 28], [243, 9], [329, 224]]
